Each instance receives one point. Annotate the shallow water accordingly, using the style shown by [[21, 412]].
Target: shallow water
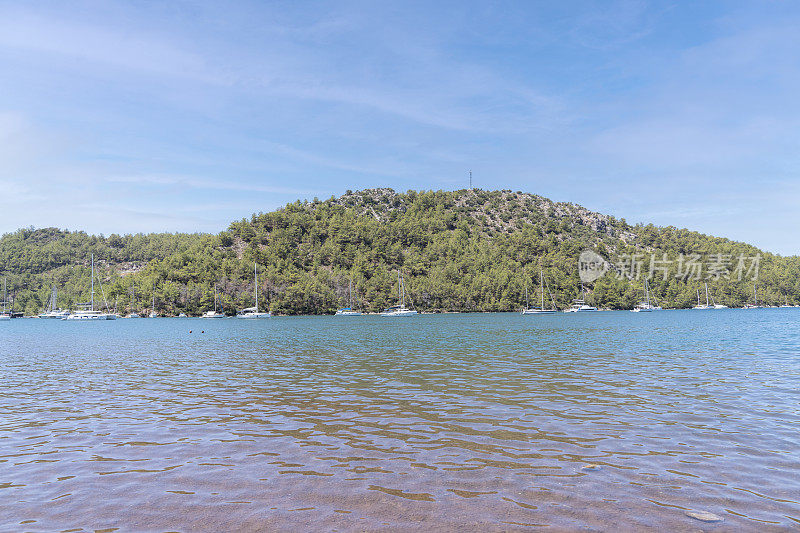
[[607, 421]]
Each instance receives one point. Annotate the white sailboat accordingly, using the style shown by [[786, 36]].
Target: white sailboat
[[52, 311], [88, 312], [5, 315], [133, 314], [579, 305], [541, 310], [253, 312], [645, 306], [755, 305], [700, 306], [214, 313], [399, 310], [349, 311], [714, 304], [153, 313]]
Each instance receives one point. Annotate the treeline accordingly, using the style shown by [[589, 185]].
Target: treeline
[[466, 250]]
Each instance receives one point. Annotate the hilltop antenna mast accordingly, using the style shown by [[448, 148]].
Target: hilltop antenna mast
[[470, 180]]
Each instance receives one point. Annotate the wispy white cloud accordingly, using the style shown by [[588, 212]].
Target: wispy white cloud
[[720, 106], [424, 86], [249, 104], [21, 142], [610, 25], [13, 194], [202, 183], [24, 29]]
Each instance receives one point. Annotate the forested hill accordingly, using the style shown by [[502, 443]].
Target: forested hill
[[467, 250]]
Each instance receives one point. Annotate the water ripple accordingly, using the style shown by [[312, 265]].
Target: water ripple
[[609, 422]]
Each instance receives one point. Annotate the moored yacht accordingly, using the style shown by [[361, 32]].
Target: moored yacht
[[579, 305], [87, 311], [153, 313], [214, 313], [528, 310], [702, 307], [714, 304], [398, 310], [755, 305], [5, 315], [55, 314], [52, 311], [348, 311], [133, 313], [253, 312], [401, 309], [644, 306]]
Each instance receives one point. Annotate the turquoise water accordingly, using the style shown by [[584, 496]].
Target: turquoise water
[[606, 421]]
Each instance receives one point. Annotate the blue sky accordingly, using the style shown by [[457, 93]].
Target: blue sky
[[182, 116]]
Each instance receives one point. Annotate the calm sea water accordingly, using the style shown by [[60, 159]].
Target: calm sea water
[[607, 421]]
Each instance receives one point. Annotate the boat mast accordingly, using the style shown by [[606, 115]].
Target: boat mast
[[5, 295], [400, 288], [351, 293], [255, 271], [706, 294], [755, 295], [215, 298], [92, 283], [527, 305], [541, 282]]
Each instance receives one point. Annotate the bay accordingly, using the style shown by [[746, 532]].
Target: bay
[[606, 421]]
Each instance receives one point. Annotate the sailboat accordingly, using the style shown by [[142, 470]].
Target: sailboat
[[88, 312], [541, 310], [4, 315], [252, 312], [133, 314], [755, 300], [715, 304], [399, 310], [645, 306], [700, 306], [349, 311], [579, 305], [214, 313], [52, 310], [153, 313]]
